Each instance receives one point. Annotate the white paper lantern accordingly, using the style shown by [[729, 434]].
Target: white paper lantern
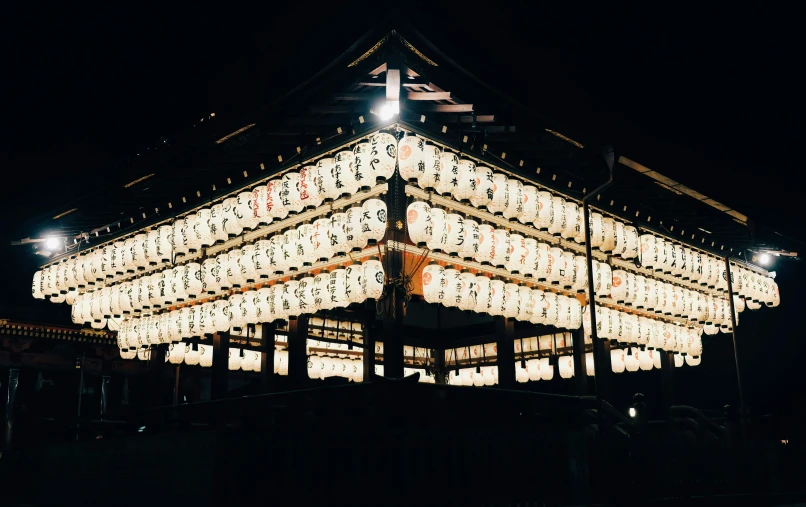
[[244, 211], [337, 291], [191, 231], [432, 173], [485, 244], [309, 187], [411, 158], [558, 219], [517, 254], [566, 366], [276, 198], [204, 227], [567, 270], [320, 238], [338, 236], [364, 173], [373, 220], [344, 173], [556, 265], [499, 255], [290, 192], [482, 294], [529, 205], [235, 359], [247, 264], [514, 205], [500, 195], [453, 287], [573, 220], [418, 221], [289, 249], [384, 155], [449, 173], [483, 194], [439, 236], [373, 279], [465, 190]]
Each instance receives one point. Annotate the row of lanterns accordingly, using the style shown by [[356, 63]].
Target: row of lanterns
[[476, 376], [481, 294], [338, 234], [190, 354], [322, 367], [324, 291], [631, 329]]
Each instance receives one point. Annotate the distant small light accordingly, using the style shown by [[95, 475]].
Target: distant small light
[[632, 412], [764, 258], [141, 429]]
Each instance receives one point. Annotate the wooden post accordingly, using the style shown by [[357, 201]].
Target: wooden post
[[368, 339], [176, 385], [580, 377], [603, 367], [440, 372], [220, 371], [105, 395], [667, 380], [156, 366], [297, 351], [11, 396], [505, 350], [267, 360]]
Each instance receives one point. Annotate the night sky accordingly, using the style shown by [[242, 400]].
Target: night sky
[[709, 96]]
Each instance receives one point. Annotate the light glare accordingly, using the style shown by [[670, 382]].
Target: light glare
[[632, 411], [52, 243], [388, 110], [764, 258]]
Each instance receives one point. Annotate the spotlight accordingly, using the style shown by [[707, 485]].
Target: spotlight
[[764, 258], [388, 110], [632, 412], [53, 243]]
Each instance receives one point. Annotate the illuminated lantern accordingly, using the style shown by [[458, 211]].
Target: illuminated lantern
[[288, 247], [373, 279], [431, 173], [485, 244], [568, 270], [290, 299], [179, 242], [483, 195], [563, 312], [205, 355], [607, 279], [500, 197], [336, 288], [383, 156], [529, 212], [211, 276], [338, 238], [204, 227], [466, 188], [466, 297], [609, 235], [176, 353], [244, 211], [543, 262], [98, 276], [247, 264], [670, 254], [373, 220], [237, 312], [305, 247], [439, 236], [774, 296], [631, 361], [320, 238], [619, 287], [364, 174], [617, 360], [556, 265], [230, 223], [714, 274], [221, 315], [81, 280], [511, 307], [497, 298], [449, 173], [327, 180], [543, 215], [309, 186], [482, 288], [262, 307], [344, 173], [260, 258], [276, 199], [453, 287], [235, 359], [418, 221], [695, 264], [470, 247], [355, 291], [274, 253], [648, 254], [566, 365], [290, 194], [514, 206], [529, 262], [557, 223], [455, 238], [411, 158], [517, 252], [526, 304], [260, 205], [234, 275], [36, 286], [207, 318], [352, 229], [645, 360], [499, 256], [573, 221], [581, 274], [216, 223], [551, 309]]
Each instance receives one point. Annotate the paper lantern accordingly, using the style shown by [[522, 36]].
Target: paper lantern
[[364, 173], [338, 236], [336, 288], [290, 298], [485, 244], [453, 287], [355, 291], [558, 220], [275, 199], [320, 238], [543, 214], [260, 205], [373, 279], [344, 173], [384, 155], [449, 173], [235, 359], [211, 277], [230, 223], [290, 192], [573, 221], [482, 294], [567, 270], [466, 295], [497, 298], [290, 250], [439, 236], [427, 179], [373, 220], [514, 204], [465, 189], [499, 254], [234, 274], [556, 265], [216, 223], [543, 262], [309, 187], [528, 212], [418, 221], [244, 211], [154, 299], [528, 257], [483, 194], [617, 360], [566, 366], [500, 195], [580, 274], [517, 254], [352, 229], [455, 238], [247, 264], [411, 158]]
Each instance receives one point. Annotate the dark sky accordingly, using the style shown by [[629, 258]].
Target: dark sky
[[710, 95]]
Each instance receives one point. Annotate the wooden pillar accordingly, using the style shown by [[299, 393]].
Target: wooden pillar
[[368, 339], [297, 352], [267, 359], [505, 351], [580, 379], [440, 372], [667, 379], [105, 380], [604, 368], [156, 368], [219, 376], [394, 267], [176, 385], [11, 396]]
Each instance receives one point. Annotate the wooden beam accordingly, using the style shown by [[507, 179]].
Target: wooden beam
[[429, 95], [338, 109], [393, 85], [446, 108]]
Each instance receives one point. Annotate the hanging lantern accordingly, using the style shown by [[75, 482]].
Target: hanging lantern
[[566, 365], [418, 221], [514, 205], [290, 192], [411, 158], [309, 187], [216, 223], [338, 237], [573, 221], [439, 236], [230, 223], [497, 298], [529, 212], [465, 190], [525, 304], [466, 296], [344, 173], [511, 305], [453, 287], [352, 229], [364, 173], [528, 257], [384, 155], [235, 359], [305, 246], [558, 219], [485, 244], [543, 216], [567, 270], [320, 238], [431, 174], [619, 285], [211, 278], [449, 174], [455, 238], [373, 220], [499, 255], [483, 194], [337, 288], [581, 274], [543, 262], [326, 181], [373, 279], [290, 249], [244, 211], [617, 360], [556, 265], [500, 196], [483, 293], [355, 291], [289, 298], [516, 252]]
